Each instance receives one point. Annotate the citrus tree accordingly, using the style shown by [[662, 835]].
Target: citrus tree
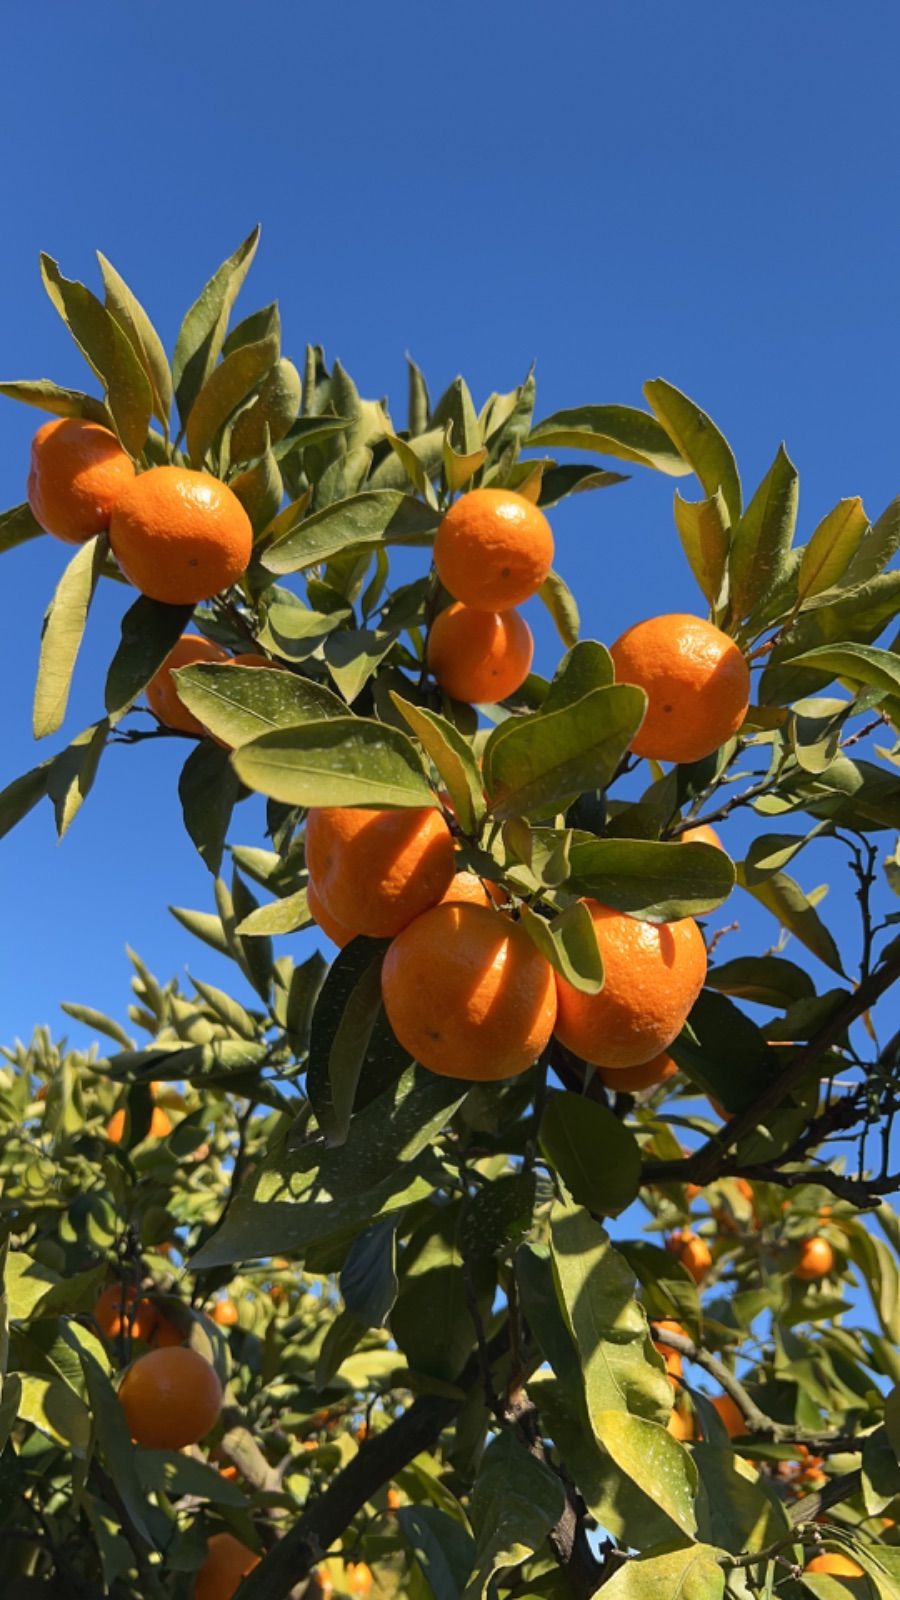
[[536, 1244]]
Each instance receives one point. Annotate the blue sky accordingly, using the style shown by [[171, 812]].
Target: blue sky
[[614, 191]]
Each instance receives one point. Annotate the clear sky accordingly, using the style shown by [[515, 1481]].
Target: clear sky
[[615, 191]]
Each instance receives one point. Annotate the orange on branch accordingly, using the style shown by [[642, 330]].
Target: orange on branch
[[479, 656], [681, 1424], [227, 1562], [632, 1080], [225, 1313], [815, 1260], [468, 994], [335, 930], [78, 472], [692, 1251], [180, 536], [731, 1415], [160, 1125], [701, 834], [162, 696], [359, 1578], [673, 1358], [171, 1398], [652, 976], [493, 549], [835, 1563], [696, 680], [374, 871], [140, 1314]]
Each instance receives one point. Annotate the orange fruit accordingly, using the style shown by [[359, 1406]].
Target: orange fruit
[[161, 693], [468, 994], [170, 1398], [493, 549], [731, 1415], [160, 1125], [692, 1191], [815, 1260], [653, 975], [230, 1474], [744, 1187], [393, 1498], [374, 871], [696, 681], [466, 888], [672, 1358], [227, 1562], [359, 1578], [631, 1080], [681, 1424], [140, 1319], [840, 1566], [702, 834], [78, 471], [321, 1586], [692, 1251], [225, 1313], [180, 536], [335, 930], [479, 656], [166, 1334]]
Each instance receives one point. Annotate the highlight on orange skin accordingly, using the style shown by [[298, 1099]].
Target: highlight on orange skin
[[815, 1260], [701, 834], [78, 471], [692, 1251]]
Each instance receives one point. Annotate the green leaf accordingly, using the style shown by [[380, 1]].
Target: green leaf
[[109, 352], [202, 332], [203, 925], [175, 1473], [574, 1132], [135, 323], [855, 663], [588, 665], [71, 774], [769, 980], [340, 1341], [545, 760], [64, 625], [342, 761], [115, 1444], [562, 606], [619, 431], [353, 654], [735, 1513], [208, 789], [691, 1573], [273, 408], [18, 526], [260, 490], [57, 1411], [238, 704], [98, 1022], [149, 631], [419, 410], [832, 547], [650, 878], [516, 1500], [443, 1550], [460, 469], [698, 441], [377, 516], [762, 540], [432, 1320], [227, 385], [569, 943], [60, 402], [557, 483], [877, 547], [369, 1274], [21, 796], [650, 1458], [453, 758], [892, 1420], [280, 916], [703, 528], [342, 1023], [455, 409], [783, 896], [728, 1057]]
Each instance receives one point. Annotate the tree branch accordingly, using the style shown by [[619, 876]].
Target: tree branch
[[803, 1515]]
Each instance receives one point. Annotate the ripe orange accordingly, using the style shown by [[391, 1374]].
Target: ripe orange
[[225, 1313], [480, 656], [166, 1334], [160, 1125], [373, 871], [78, 471], [161, 693], [468, 994], [180, 536], [815, 1260], [359, 1578], [229, 1473], [227, 1562], [631, 1080], [702, 834], [840, 1566], [466, 888], [653, 975], [692, 1191], [335, 930], [170, 1398], [696, 681], [393, 1498], [493, 549], [321, 1586], [692, 1251], [681, 1424], [672, 1358], [140, 1319], [731, 1415]]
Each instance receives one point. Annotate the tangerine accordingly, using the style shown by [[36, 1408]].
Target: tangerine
[[681, 1425], [335, 930], [468, 994], [731, 1415], [171, 1398], [701, 834], [225, 1313], [359, 1578], [374, 871], [632, 1080], [840, 1566], [493, 549], [696, 680], [78, 471], [166, 1334], [162, 696], [180, 536], [140, 1315], [815, 1260], [479, 656], [652, 976], [227, 1562], [692, 1251], [160, 1125], [672, 1358]]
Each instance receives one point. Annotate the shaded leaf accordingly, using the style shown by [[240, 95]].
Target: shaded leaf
[[71, 774], [453, 758], [64, 625], [109, 352], [115, 1443], [369, 1274], [783, 896], [650, 878], [569, 943], [208, 789], [202, 332], [135, 323], [345, 1014], [703, 528], [574, 1131], [18, 526], [149, 631], [619, 431], [762, 539]]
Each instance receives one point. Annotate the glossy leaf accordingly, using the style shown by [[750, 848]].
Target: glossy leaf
[[783, 896], [342, 761], [208, 789], [857, 663], [703, 528], [227, 385], [588, 665], [71, 774], [135, 323], [762, 539], [377, 516], [108, 350], [698, 441], [515, 1501], [64, 626], [453, 758], [202, 332], [342, 1023], [619, 431], [149, 631], [596, 1156], [545, 760], [691, 1573], [649, 878], [832, 547], [569, 943], [238, 704]]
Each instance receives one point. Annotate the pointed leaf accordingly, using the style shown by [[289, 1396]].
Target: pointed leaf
[[544, 761], [832, 547], [133, 319], [59, 401], [344, 761], [149, 631], [202, 332], [649, 878], [227, 385], [703, 528], [762, 540], [237, 704], [569, 943], [516, 1500], [562, 606], [63, 630], [619, 431], [18, 526], [783, 896], [280, 916], [699, 441], [377, 516], [21, 796], [574, 1130], [453, 758], [71, 774], [108, 350], [342, 1025], [857, 664], [270, 414], [208, 789]]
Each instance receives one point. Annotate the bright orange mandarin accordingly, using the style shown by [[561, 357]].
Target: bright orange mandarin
[[696, 681], [225, 1313], [171, 1398], [165, 1335], [466, 888], [78, 471], [160, 1125], [681, 1424], [335, 930], [731, 1415], [227, 1562], [493, 549], [140, 1319], [463, 886], [672, 1358], [359, 1578], [653, 975], [162, 696], [373, 871], [815, 1260], [840, 1566], [631, 1080], [180, 536], [468, 994], [702, 834], [480, 656], [693, 1252]]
